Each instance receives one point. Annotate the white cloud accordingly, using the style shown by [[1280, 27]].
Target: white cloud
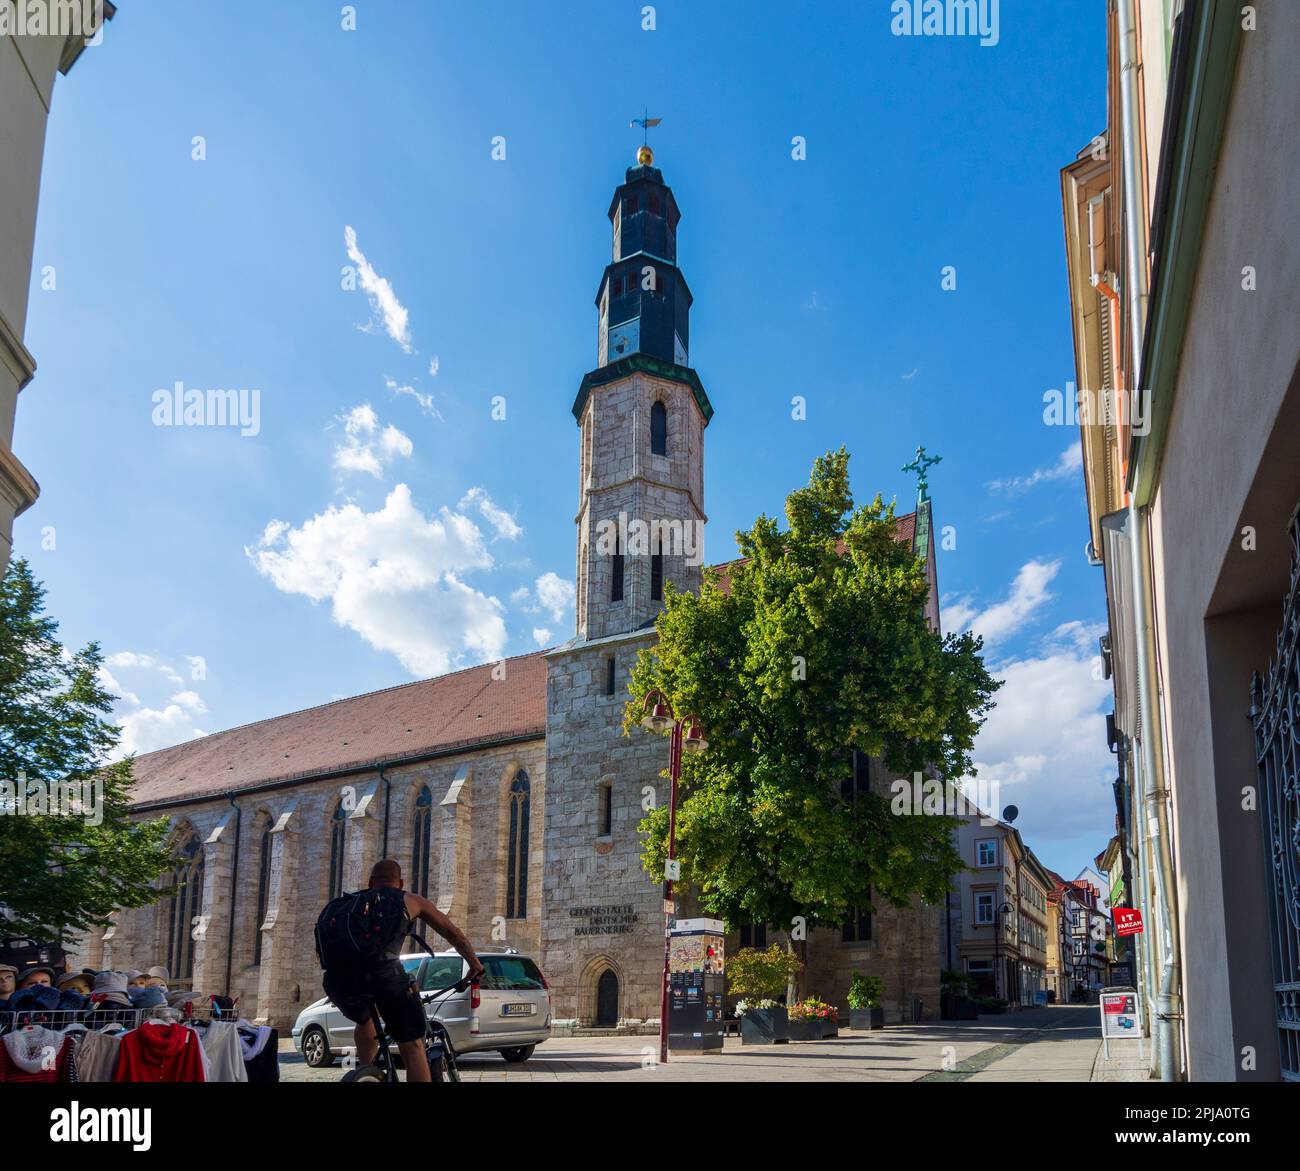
[[425, 400], [910, 374], [1028, 594], [383, 300], [505, 525], [555, 595], [433, 365], [541, 635], [1044, 744], [191, 701], [1070, 462], [127, 659], [367, 447], [395, 577], [147, 729]]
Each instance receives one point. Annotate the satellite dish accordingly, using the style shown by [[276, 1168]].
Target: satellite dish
[[1010, 813]]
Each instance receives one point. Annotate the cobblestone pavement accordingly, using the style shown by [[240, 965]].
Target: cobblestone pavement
[[1046, 1044]]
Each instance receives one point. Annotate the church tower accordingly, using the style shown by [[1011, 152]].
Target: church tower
[[640, 520], [642, 413]]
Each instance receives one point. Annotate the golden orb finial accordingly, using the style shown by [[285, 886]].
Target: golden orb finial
[[645, 156]]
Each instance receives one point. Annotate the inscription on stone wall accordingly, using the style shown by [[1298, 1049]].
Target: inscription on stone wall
[[616, 919]]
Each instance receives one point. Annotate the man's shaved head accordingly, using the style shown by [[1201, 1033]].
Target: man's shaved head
[[386, 872]]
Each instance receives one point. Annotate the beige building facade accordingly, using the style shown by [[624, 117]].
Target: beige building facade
[[32, 55], [1184, 276]]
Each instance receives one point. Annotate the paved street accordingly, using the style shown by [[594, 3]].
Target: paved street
[[1048, 1044]]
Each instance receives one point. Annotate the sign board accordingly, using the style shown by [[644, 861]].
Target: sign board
[[1121, 1017], [672, 869], [1127, 921]]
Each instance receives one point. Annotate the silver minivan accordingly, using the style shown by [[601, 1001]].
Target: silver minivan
[[509, 1010]]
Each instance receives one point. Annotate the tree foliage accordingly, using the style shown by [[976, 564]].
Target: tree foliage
[[819, 646], [61, 875]]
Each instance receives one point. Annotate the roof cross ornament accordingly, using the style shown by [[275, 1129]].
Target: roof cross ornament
[[921, 465]]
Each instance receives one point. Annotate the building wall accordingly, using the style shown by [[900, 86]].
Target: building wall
[[467, 876], [1230, 462], [585, 870], [28, 67]]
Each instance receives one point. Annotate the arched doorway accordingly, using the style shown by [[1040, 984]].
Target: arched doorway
[[607, 1000]]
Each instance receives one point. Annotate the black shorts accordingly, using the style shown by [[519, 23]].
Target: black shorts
[[394, 995]]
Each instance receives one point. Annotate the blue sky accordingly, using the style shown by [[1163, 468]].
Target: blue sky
[[820, 278]]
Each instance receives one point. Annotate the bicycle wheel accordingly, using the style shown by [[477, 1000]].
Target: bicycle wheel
[[364, 1073]]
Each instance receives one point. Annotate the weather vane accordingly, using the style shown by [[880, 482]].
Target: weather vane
[[645, 156], [921, 466]]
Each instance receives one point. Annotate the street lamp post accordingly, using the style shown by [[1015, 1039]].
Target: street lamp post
[[686, 737]]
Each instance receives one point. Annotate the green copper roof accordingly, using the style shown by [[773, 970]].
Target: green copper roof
[[645, 363]]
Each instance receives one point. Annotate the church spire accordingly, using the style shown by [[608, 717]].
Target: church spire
[[643, 301]]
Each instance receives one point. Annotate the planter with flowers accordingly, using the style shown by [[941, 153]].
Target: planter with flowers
[[865, 1009], [814, 1020], [757, 978]]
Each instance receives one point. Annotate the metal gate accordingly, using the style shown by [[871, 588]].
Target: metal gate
[[1275, 713]]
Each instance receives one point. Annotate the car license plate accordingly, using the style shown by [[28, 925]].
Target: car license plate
[[517, 1010]]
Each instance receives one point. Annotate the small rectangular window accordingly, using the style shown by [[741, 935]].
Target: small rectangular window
[[630, 206], [616, 580], [606, 810], [986, 853], [654, 205], [657, 573], [609, 675]]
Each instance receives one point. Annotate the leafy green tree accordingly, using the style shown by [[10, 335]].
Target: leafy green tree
[[819, 646], [61, 875]]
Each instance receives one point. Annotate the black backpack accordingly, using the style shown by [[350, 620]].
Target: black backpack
[[357, 930]]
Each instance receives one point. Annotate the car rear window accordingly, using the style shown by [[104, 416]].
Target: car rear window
[[442, 972], [510, 973]]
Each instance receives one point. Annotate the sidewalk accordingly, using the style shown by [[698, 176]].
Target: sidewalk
[[1045, 1044]]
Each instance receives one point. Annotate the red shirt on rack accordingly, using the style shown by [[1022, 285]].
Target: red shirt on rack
[[159, 1053]]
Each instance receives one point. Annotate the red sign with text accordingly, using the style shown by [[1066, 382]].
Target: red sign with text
[[1127, 921]]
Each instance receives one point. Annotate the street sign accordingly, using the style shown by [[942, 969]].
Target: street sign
[[1127, 921], [672, 869]]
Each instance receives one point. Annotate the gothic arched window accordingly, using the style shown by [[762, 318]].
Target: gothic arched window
[[420, 842], [517, 849], [338, 828], [658, 429], [186, 905], [263, 889]]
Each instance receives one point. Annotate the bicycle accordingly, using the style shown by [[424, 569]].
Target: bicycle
[[437, 1041]]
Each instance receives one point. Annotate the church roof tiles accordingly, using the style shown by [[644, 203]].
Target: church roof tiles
[[449, 713]]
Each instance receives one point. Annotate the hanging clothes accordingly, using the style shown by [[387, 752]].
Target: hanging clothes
[[221, 1044], [97, 1056], [261, 1049], [37, 1055], [160, 1053]]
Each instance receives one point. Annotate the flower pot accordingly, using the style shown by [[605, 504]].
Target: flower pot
[[830, 1028], [862, 1020], [765, 1026], [812, 1030]]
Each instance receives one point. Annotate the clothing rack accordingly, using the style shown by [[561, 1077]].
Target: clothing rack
[[100, 1017]]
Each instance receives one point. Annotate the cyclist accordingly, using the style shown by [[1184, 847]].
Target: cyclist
[[359, 942]]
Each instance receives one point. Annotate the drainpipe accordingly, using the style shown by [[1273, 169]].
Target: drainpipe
[[1155, 802], [1155, 796], [383, 850], [1135, 216], [234, 887]]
